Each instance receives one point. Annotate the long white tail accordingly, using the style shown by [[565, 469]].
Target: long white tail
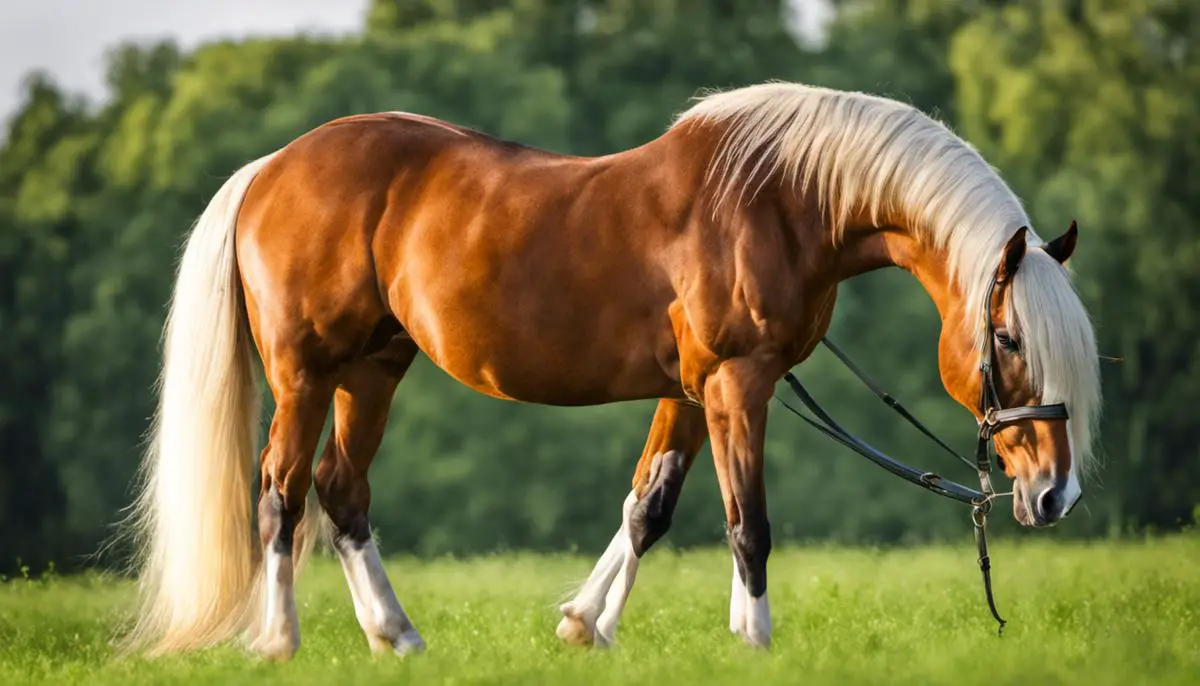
[[193, 517]]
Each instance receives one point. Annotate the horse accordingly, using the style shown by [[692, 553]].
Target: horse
[[695, 269]]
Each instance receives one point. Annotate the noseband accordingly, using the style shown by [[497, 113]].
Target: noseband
[[993, 418]]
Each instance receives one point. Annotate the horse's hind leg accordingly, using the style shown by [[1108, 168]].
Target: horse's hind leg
[[676, 435], [360, 417], [302, 401]]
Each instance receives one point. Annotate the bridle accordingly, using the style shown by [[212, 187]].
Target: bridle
[[993, 418]]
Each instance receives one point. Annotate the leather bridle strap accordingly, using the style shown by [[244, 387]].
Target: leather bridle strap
[[1015, 414], [823, 422], [889, 400]]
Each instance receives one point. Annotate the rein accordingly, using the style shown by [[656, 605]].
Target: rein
[[994, 419]]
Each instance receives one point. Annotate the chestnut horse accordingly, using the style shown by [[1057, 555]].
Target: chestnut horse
[[696, 269]]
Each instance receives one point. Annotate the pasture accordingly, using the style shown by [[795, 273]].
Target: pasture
[[1079, 613]]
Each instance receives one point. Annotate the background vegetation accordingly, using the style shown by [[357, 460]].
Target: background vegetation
[[1089, 108]]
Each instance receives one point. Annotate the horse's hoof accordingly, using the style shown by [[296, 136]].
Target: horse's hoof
[[279, 648], [573, 629], [409, 643], [757, 642]]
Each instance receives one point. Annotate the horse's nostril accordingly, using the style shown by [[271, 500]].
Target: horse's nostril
[[1048, 505]]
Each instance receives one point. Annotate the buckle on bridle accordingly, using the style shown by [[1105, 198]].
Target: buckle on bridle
[[980, 512], [989, 424], [989, 417]]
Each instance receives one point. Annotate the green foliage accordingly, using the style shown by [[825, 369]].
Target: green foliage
[[1087, 107], [1114, 613]]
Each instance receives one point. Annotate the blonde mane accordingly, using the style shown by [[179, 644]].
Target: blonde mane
[[864, 155]]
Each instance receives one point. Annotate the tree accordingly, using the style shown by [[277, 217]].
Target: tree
[[41, 167]]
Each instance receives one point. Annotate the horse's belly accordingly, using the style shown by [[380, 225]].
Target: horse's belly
[[552, 358], [522, 382]]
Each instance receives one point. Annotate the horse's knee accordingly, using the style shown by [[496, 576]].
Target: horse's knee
[[751, 544], [650, 517]]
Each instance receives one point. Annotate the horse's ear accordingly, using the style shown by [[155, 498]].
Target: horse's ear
[[1063, 247], [1014, 250]]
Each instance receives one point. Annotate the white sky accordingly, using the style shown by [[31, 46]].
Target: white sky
[[69, 38]]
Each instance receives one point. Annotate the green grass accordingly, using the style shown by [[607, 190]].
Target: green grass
[[1103, 613]]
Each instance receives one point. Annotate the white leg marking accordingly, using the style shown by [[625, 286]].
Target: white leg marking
[[582, 613], [279, 638], [749, 617], [618, 592], [737, 603], [379, 613], [758, 621]]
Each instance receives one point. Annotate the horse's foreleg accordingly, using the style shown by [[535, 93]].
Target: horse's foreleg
[[302, 402], [676, 435], [360, 417], [736, 399]]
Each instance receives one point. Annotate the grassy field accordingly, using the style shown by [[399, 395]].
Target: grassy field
[[1079, 614]]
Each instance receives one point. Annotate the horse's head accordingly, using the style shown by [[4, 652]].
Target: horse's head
[[1026, 342]]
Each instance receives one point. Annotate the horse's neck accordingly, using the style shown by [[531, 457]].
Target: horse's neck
[[866, 249]]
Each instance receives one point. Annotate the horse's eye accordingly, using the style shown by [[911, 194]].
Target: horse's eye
[[1007, 342]]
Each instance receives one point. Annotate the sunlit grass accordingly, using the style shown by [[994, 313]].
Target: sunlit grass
[[1102, 613]]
